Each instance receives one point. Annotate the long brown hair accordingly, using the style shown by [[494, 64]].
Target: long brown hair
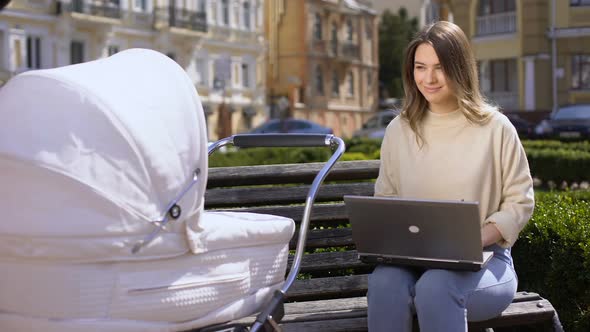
[[458, 63]]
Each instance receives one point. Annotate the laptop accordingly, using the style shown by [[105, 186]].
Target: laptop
[[434, 234]]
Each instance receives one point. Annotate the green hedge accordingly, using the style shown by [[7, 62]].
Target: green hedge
[[549, 160], [268, 156], [561, 164], [552, 255], [547, 144]]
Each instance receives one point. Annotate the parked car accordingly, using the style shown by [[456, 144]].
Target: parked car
[[294, 126], [568, 122], [375, 126], [524, 128]]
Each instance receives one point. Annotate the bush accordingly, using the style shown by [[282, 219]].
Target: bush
[[552, 255], [356, 149], [562, 164], [549, 160], [547, 144], [268, 156], [364, 145]]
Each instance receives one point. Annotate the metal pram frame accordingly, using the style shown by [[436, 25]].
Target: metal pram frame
[[272, 313]]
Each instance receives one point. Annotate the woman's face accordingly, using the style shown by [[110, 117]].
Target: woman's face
[[431, 81]]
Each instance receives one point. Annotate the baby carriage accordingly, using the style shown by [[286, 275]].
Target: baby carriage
[[103, 169]]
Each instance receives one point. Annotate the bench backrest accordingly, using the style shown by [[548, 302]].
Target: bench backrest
[[330, 268]]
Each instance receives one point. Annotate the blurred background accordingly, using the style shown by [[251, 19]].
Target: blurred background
[[333, 64]]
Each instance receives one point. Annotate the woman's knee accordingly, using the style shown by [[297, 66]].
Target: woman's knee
[[484, 304], [435, 288], [389, 278]]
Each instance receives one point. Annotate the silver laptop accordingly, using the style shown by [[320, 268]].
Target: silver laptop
[[427, 233]]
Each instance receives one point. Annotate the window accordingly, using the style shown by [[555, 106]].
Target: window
[[225, 11], [496, 17], [369, 80], [349, 30], [334, 42], [113, 49], [350, 84], [319, 81], [76, 52], [498, 75], [298, 125], [245, 76], [581, 71], [579, 3], [335, 84], [489, 7], [202, 77], [33, 52], [369, 30], [317, 27], [202, 6], [78, 6], [236, 16], [248, 112], [247, 15], [141, 5]]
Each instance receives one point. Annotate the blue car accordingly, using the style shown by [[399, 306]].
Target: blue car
[[294, 126], [568, 122]]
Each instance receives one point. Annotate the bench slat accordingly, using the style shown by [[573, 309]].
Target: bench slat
[[355, 324], [322, 288], [221, 197], [290, 173], [351, 286], [320, 213], [313, 316], [324, 238], [330, 261], [349, 314]]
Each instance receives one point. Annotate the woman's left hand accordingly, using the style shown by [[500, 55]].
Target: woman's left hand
[[490, 234]]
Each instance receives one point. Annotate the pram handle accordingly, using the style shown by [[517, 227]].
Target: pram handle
[[281, 140], [289, 140]]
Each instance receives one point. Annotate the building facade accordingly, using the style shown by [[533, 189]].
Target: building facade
[[220, 44], [322, 62], [532, 54]]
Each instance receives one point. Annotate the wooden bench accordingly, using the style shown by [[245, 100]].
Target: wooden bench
[[330, 295]]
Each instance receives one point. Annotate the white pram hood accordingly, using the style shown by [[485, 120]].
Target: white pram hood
[[91, 155]]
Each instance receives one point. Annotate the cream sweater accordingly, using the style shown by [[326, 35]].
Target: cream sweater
[[461, 161]]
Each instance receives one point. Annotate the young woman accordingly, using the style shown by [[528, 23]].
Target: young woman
[[450, 144]]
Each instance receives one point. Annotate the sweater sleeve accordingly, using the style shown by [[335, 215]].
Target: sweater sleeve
[[517, 197], [385, 185]]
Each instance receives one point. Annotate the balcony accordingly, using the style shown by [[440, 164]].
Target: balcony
[[495, 24], [333, 51], [183, 18], [319, 47], [349, 51], [96, 8], [139, 19]]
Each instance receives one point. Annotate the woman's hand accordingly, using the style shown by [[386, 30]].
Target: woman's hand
[[490, 234]]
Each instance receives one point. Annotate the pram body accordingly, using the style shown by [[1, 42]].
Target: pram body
[[92, 158]]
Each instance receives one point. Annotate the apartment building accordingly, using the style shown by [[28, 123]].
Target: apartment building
[[220, 44], [532, 54], [323, 60]]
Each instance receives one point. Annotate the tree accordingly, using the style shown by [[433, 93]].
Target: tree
[[395, 32]]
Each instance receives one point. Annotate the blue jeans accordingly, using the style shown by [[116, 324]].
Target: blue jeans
[[443, 300]]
